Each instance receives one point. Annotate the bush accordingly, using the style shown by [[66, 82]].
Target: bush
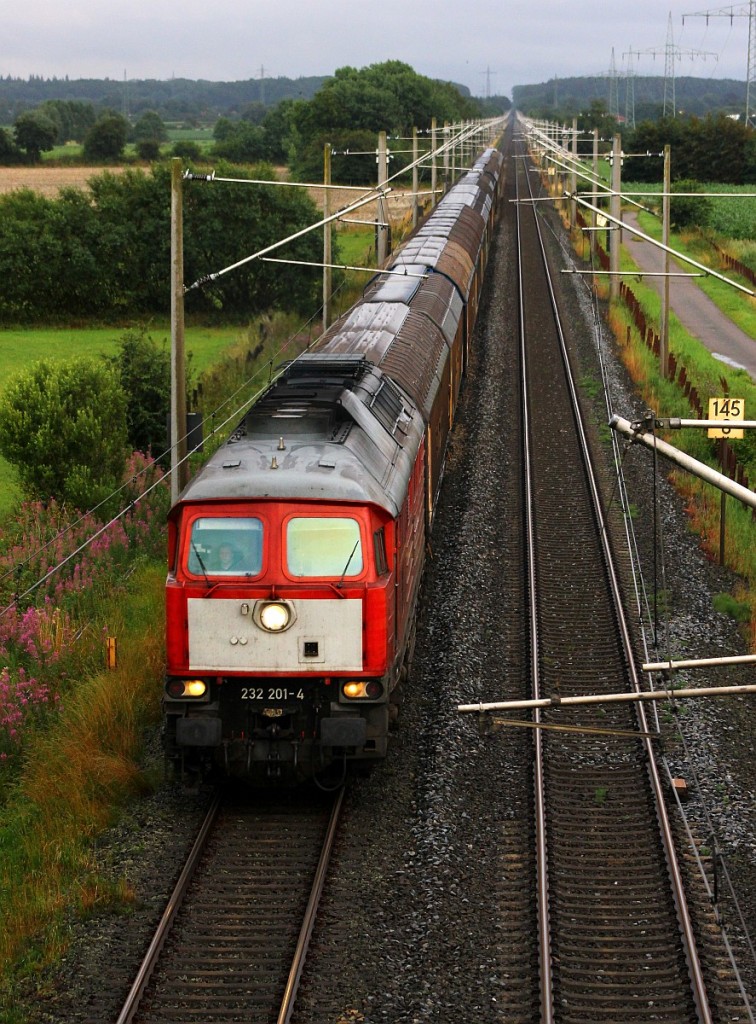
[[63, 426], [688, 211], [189, 151], [106, 253], [148, 149], [144, 371]]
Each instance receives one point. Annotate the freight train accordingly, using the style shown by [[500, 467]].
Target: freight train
[[296, 553]]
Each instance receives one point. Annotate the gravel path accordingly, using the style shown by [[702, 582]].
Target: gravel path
[[693, 308]]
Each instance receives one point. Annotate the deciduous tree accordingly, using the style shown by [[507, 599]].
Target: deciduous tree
[[106, 139], [35, 133], [144, 371]]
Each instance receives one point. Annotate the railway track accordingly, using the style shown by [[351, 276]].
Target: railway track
[[615, 937], [610, 945], [232, 942]]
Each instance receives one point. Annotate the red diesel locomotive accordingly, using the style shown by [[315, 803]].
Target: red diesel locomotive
[[295, 555]]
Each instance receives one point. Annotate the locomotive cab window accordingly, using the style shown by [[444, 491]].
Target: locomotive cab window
[[323, 546], [225, 546], [379, 544]]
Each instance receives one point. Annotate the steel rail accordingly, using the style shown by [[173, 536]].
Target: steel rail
[[698, 987], [539, 787], [305, 934], [134, 997]]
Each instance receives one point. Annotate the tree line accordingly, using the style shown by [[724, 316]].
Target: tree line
[[716, 148], [347, 112], [175, 99], [565, 97], [105, 253], [103, 136]]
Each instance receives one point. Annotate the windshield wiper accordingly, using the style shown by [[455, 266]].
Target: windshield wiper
[[340, 584], [195, 549]]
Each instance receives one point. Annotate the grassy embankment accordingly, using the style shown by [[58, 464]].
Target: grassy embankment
[[76, 766], [77, 771], [667, 399]]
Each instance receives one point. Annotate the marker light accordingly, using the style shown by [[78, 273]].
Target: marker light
[[369, 689], [179, 688]]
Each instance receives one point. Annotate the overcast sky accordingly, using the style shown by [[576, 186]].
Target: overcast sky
[[472, 42]]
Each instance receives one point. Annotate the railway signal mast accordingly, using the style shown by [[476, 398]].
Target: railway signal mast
[[745, 10]]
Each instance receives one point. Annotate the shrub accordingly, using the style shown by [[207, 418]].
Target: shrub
[[685, 211], [63, 426]]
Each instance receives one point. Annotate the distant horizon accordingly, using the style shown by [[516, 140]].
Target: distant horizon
[[289, 78], [476, 45]]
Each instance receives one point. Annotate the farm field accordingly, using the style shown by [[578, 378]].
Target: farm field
[[49, 180], [20, 347], [731, 215]]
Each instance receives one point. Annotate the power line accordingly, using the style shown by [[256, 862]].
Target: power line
[[672, 53], [744, 10]]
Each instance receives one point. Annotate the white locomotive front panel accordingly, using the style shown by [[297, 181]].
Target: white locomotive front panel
[[323, 635]]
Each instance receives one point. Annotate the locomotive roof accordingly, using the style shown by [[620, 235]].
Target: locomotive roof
[[330, 428]]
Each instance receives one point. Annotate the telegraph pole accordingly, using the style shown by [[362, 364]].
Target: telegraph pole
[[664, 333], [179, 464], [381, 249], [573, 173], [594, 215], [327, 236], [743, 10], [613, 91], [434, 162], [615, 206], [629, 90], [415, 178]]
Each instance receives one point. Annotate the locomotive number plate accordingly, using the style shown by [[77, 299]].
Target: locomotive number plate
[[274, 693]]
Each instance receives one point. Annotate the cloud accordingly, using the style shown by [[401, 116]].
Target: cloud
[[470, 43]]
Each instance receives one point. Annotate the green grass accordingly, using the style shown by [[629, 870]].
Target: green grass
[[703, 370], [73, 152], [19, 348], [667, 399], [731, 217], [356, 246]]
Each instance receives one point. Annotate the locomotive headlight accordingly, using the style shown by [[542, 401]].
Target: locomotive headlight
[[274, 616]]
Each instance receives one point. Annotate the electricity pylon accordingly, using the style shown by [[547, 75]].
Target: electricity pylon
[[671, 54], [488, 72], [629, 89], [745, 10], [613, 92]]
